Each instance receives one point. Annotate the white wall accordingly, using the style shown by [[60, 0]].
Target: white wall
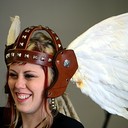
[[68, 18]]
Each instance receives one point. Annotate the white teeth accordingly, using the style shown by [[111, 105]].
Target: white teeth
[[22, 96]]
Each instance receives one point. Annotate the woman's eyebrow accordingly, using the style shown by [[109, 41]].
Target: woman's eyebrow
[[30, 71], [12, 70]]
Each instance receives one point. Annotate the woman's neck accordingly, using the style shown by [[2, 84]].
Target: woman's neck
[[33, 120]]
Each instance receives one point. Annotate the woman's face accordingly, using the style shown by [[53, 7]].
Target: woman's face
[[26, 82]]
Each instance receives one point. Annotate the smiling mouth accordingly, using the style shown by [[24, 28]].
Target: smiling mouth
[[22, 96]]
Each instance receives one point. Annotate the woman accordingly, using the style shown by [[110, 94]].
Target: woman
[[39, 70]]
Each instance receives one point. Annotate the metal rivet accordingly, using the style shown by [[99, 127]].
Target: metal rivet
[[49, 60], [19, 54], [57, 38], [59, 45], [13, 54], [27, 30], [24, 36], [66, 63], [26, 55], [21, 44], [8, 55], [42, 58], [35, 57]]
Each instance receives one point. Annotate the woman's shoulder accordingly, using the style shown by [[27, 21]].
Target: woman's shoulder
[[65, 122]]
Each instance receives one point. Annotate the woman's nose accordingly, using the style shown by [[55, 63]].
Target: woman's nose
[[20, 82]]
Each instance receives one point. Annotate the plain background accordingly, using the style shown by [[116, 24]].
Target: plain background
[[68, 18]]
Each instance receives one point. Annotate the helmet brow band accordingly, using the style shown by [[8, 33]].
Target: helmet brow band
[[34, 57]]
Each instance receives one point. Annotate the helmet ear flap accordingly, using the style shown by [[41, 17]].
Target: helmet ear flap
[[65, 65]]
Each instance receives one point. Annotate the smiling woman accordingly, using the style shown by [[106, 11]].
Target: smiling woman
[[23, 85], [35, 63]]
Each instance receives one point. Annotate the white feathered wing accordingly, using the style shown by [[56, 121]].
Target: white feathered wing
[[102, 55]]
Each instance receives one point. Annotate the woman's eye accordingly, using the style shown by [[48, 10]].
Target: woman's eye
[[29, 76], [13, 75]]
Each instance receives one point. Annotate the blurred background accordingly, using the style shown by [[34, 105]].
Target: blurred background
[[68, 18]]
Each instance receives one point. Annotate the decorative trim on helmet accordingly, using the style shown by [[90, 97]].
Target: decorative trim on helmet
[[18, 51], [34, 57]]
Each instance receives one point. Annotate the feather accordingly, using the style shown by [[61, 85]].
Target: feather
[[14, 30], [102, 55]]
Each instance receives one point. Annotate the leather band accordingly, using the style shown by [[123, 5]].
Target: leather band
[[34, 57], [23, 40]]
